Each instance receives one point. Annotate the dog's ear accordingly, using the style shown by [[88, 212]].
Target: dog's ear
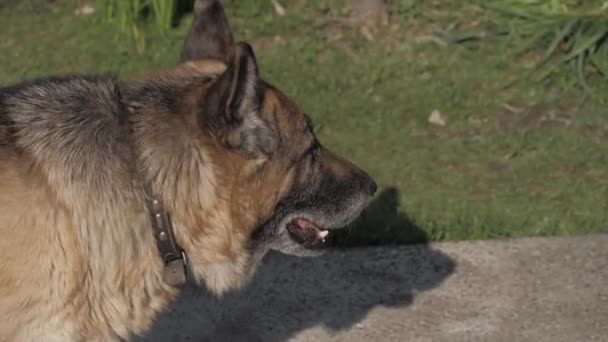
[[234, 102], [210, 36]]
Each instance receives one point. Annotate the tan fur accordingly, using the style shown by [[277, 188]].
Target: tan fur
[[232, 159], [76, 255], [59, 271]]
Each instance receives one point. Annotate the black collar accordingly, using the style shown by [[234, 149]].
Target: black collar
[[173, 255]]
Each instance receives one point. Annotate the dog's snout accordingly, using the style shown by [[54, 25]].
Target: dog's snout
[[367, 183], [348, 175], [371, 187]]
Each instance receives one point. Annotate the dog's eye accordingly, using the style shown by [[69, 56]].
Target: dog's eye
[[313, 150], [309, 127], [314, 146], [310, 154], [316, 149]]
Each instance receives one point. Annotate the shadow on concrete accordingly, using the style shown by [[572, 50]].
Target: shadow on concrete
[[288, 294]]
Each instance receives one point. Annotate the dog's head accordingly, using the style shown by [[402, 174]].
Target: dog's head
[[272, 184]]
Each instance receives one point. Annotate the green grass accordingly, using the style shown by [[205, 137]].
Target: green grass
[[529, 160], [571, 33]]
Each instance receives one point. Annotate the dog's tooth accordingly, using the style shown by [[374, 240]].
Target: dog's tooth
[[323, 234]]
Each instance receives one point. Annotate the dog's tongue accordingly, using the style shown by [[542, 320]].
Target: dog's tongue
[[305, 231]]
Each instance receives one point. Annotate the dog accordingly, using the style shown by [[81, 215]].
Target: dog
[[111, 191]]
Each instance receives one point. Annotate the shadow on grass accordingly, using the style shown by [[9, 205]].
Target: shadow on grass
[[381, 224], [289, 295]]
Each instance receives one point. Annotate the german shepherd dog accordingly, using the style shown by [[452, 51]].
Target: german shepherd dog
[[110, 190]]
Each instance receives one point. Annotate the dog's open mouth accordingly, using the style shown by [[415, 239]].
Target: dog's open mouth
[[307, 233]]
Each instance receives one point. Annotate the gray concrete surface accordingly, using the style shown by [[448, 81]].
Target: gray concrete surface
[[553, 289]]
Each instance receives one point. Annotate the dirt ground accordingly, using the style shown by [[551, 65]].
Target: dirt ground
[[540, 289]]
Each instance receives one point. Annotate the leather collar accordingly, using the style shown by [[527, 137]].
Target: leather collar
[[174, 257]]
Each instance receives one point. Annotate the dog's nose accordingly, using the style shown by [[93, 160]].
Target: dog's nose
[[366, 184], [372, 187]]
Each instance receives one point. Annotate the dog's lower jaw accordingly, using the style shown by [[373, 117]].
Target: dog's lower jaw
[[229, 275], [283, 243], [225, 276]]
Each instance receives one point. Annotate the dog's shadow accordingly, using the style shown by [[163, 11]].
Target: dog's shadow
[[288, 294]]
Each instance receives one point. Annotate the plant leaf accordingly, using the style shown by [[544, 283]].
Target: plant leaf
[[561, 35], [600, 31], [580, 71]]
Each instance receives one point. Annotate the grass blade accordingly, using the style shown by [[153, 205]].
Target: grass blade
[[599, 59], [600, 31], [513, 11], [580, 71], [561, 35], [529, 43]]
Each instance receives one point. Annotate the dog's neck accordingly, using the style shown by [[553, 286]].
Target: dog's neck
[[174, 258], [181, 174], [147, 144]]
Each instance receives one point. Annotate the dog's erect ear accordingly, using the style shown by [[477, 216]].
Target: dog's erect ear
[[234, 102], [210, 36]]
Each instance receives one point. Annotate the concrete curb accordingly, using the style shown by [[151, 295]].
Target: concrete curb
[[539, 289]]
